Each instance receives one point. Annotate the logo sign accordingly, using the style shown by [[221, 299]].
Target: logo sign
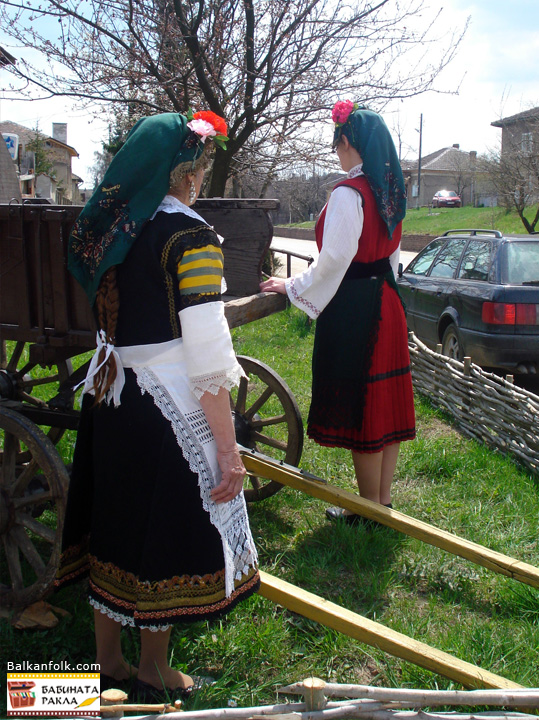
[[12, 142], [53, 695]]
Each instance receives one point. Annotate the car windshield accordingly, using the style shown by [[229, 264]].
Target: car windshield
[[520, 263], [447, 193]]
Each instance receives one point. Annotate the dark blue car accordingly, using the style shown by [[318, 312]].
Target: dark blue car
[[477, 293]]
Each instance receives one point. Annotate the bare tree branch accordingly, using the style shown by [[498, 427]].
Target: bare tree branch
[[274, 69]]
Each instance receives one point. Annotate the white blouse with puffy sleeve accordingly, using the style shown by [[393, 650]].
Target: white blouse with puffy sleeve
[[312, 289]]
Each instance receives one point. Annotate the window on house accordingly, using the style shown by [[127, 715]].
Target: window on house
[[527, 143]]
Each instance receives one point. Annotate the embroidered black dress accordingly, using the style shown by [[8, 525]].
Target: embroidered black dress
[[137, 521]]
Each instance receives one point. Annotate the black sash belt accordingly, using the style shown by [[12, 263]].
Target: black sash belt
[[358, 270]]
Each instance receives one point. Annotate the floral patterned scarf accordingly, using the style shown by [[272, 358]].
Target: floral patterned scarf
[[132, 189], [368, 134]]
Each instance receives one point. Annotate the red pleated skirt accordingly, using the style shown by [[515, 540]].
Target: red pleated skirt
[[388, 410]]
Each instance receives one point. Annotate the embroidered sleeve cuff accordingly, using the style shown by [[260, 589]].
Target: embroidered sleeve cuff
[[295, 298]]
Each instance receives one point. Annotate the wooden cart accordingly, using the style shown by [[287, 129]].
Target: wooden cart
[[46, 325]]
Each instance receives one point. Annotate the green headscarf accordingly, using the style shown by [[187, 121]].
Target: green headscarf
[[368, 134], [131, 191]]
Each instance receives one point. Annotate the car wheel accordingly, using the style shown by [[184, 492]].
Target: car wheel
[[451, 343]]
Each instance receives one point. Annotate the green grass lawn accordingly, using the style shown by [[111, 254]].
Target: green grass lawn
[[435, 221], [416, 589]]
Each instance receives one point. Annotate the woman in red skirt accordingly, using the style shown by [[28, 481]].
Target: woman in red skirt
[[362, 396]]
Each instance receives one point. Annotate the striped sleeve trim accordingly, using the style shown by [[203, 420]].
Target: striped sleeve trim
[[200, 270]]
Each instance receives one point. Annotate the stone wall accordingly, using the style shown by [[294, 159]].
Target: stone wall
[[415, 243], [295, 233]]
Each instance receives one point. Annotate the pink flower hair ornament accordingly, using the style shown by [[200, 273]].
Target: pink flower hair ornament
[[342, 111]]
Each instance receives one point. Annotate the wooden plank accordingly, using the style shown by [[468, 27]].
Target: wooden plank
[[239, 311], [59, 296], [287, 475], [34, 267], [360, 628], [14, 276], [247, 232], [47, 305], [66, 213]]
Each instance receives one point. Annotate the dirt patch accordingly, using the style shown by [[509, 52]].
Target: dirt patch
[[434, 428], [367, 673]]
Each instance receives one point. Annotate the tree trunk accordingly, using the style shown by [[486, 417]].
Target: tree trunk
[[220, 172]]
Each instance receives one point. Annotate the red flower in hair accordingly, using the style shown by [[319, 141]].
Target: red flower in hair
[[218, 123]]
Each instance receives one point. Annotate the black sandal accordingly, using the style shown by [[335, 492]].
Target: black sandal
[[337, 513]]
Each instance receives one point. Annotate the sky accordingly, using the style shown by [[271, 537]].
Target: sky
[[496, 72]]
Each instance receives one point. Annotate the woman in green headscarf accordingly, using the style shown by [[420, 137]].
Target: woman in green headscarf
[[362, 395], [156, 516]]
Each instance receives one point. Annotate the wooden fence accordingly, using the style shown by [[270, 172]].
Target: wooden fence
[[486, 407]]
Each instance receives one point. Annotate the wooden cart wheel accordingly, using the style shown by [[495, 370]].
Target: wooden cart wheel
[[267, 418], [21, 379], [32, 475]]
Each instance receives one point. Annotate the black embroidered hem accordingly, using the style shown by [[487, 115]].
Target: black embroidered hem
[[324, 437], [126, 599], [130, 601]]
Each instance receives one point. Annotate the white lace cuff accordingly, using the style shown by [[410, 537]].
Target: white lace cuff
[[295, 298], [215, 381]]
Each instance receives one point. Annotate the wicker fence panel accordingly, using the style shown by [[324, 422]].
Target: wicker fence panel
[[486, 407]]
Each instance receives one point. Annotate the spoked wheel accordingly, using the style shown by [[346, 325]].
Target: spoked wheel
[[33, 491], [267, 418], [25, 381]]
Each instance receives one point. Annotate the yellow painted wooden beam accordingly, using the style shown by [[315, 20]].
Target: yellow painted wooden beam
[[356, 626], [288, 475]]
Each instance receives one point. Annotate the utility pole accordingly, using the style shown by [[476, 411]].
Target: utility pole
[[419, 163]]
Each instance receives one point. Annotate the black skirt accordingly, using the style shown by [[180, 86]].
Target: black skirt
[[135, 522]]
